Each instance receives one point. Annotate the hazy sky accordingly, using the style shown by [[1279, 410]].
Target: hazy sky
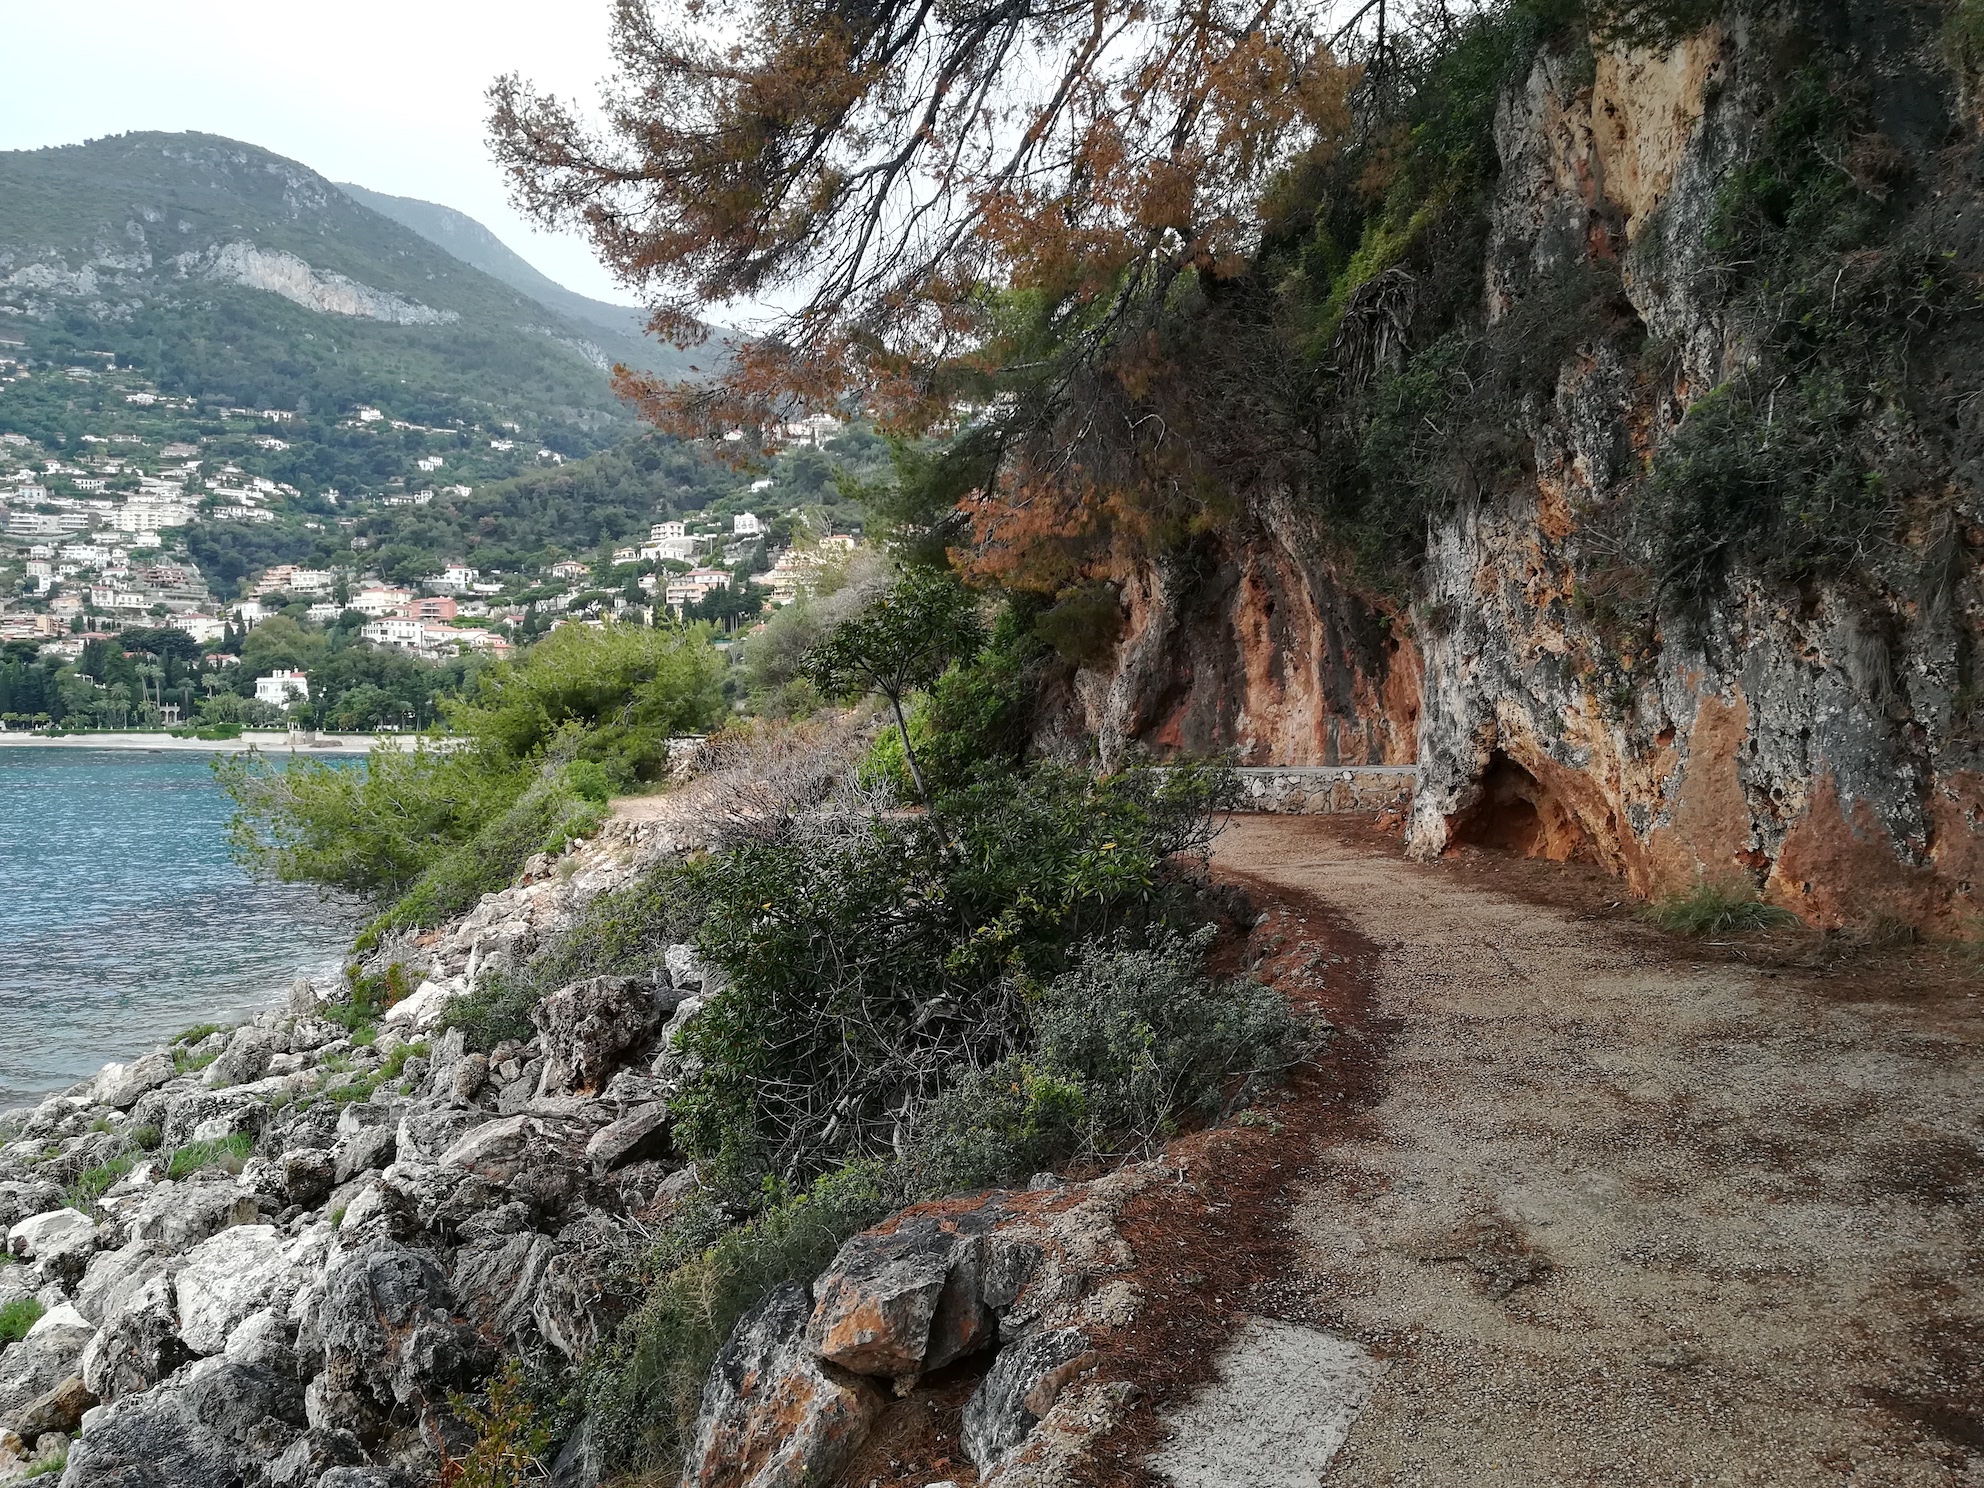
[[385, 93]]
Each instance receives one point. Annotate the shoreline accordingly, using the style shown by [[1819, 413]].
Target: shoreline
[[267, 740]]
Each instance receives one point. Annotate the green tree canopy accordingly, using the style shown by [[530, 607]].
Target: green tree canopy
[[900, 642], [627, 689]]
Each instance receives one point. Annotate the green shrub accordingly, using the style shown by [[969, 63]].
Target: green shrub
[[621, 691], [867, 957], [1963, 37], [227, 1152], [1799, 466], [365, 1000], [509, 1434], [546, 740], [497, 1008], [362, 1086], [1716, 909], [185, 1062], [371, 829], [624, 933], [17, 1317], [978, 716], [144, 1138], [545, 818], [198, 1032], [590, 781], [44, 1467], [1121, 1048], [1084, 623]]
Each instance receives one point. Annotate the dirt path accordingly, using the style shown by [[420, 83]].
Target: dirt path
[[1616, 1216]]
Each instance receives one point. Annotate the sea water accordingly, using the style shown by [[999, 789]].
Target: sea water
[[123, 919]]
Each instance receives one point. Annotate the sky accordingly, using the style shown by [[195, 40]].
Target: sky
[[384, 93]]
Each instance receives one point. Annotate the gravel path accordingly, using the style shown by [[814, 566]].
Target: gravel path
[[1620, 1215]]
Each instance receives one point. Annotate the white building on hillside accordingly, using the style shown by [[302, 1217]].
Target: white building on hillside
[[379, 600], [682, 549], [282, 688], [746, 524]]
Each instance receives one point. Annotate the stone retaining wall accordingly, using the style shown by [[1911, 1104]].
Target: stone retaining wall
[[1321, 790]]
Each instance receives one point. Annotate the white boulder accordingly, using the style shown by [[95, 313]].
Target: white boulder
[[53, 1237]]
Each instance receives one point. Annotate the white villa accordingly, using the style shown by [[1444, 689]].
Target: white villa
[[282, 688]]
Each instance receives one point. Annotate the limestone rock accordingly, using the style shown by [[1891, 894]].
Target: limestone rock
[[590, 1028], [576, 1308], [138, 1343], [423, 1009], [20, 1198], [61, 1409], [909, 1297], [120, 1085], [215, 1425], [178, 1216], [312, 1455], [498, 1279], [773, 1414], [51, 1353], [263, 1339], [235, 1274], [206, 1115], [52, 1238], [469, 1075], [360, 1477], [368, 1148], [308, 1175], [1021, 1387], [641, 1133], [685, 968], [384, 1324], [245, 1058]]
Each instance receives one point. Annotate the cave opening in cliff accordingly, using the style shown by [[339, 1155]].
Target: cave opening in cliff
[[1514, 812]]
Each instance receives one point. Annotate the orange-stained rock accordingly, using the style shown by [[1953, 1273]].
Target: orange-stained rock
[[773, 1414], [901, 1300]]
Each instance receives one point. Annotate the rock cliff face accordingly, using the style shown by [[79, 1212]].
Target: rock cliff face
[[289, 276], [1819, 739], [1260, 643]]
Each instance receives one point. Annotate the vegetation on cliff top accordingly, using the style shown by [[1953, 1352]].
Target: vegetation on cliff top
[[1212, 309]]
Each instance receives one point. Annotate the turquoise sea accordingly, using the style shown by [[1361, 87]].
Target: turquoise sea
[[122, 919]]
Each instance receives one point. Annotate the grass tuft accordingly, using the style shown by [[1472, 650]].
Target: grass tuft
[[17, 1317], [228, 1152], [1716, 909], [94, 1182]]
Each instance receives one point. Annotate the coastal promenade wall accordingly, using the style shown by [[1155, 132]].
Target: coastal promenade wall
[[269, 741]]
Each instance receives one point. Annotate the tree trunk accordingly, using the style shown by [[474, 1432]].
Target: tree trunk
[[908, 753]]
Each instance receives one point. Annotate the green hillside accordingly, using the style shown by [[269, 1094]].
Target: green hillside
[[228, 273], [620, 329]]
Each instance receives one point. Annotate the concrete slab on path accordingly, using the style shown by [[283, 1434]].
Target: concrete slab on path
[[1277, 1415]]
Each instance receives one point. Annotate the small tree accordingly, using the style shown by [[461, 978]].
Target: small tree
[[901, 642]]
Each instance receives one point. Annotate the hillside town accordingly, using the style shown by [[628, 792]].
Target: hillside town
[[100, 535]]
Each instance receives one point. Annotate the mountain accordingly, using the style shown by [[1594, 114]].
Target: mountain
[[621, 329], [230, 274]]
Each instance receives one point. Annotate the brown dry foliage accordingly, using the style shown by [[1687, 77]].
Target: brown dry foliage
[[885, 170]]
